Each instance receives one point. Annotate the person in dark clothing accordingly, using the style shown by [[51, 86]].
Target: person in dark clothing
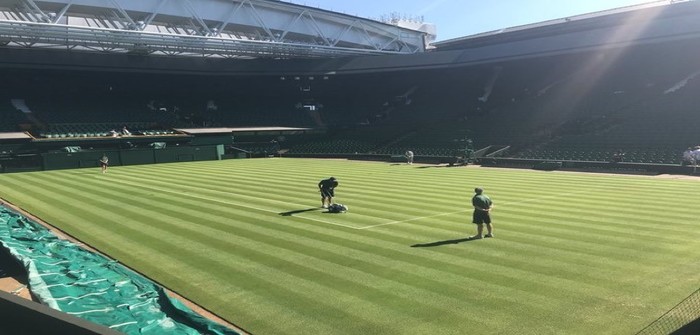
[[327, 189], [482, 214]]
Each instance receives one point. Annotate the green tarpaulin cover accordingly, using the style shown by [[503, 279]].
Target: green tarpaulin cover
[[88, 285]]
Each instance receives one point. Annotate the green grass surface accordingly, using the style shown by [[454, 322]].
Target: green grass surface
[[573, 254]]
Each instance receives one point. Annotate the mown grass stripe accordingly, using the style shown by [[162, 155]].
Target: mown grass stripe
[[278, 194], [145, 216], [191, 233], [561, 262], [181, 217], [174, 244]]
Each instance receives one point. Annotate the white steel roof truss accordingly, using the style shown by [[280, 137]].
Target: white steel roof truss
[[119, 29], [35, 11], [367, 36], [153, 14], [124, 15], [312, 23], [61, 13], [231, 14], [291, 24], [205, 29], [260, 21]]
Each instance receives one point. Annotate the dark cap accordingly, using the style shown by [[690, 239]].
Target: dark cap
[[478, 190], [332, 178]]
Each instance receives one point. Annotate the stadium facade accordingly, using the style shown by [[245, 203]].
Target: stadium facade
[[228, 79], [584, 76]]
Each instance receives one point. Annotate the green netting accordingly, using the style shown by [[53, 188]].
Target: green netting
[[681, 319], [90, 286]]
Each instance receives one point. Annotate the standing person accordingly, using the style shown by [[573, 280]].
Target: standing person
[[482, 214], [327, 189], [409, 157], [104, 162]]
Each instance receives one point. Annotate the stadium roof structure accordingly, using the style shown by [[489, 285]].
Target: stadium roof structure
[[209, 28], [460, 42]]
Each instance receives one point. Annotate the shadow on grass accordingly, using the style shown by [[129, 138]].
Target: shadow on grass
[[689, 329], [440, 166], [439, 243], [91, 170], [291, 213]]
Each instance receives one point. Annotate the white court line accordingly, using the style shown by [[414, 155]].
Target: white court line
[[233, 203], [469, 210], [413, 219], [343, 225]]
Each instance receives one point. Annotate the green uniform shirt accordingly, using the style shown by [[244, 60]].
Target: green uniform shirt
[[481, 201]]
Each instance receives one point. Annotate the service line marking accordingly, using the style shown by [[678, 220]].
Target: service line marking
[[340, 224], [232, 203], [469, 210]]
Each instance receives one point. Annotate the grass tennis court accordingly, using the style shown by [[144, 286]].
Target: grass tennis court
[[574, 253]]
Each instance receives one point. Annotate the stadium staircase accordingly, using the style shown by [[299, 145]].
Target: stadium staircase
[[10, 117]]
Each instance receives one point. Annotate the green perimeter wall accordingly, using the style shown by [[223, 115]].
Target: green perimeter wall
[[74, 160]]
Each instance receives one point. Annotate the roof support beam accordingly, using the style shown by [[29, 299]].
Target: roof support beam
[[235, 22], [153, 14]]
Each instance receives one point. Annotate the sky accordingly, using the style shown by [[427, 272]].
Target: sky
[[458, 18]]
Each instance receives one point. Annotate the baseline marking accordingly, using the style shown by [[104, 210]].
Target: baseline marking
[[469, 210], [340, 224], [233, 203]]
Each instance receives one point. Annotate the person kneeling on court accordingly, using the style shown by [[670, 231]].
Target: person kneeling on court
[[337, 208], [327, 189], [482, 214]]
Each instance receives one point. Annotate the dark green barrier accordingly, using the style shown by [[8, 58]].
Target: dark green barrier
[[74, 160], [85, 159], [136, 156], [201, 140], [547, 166]]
